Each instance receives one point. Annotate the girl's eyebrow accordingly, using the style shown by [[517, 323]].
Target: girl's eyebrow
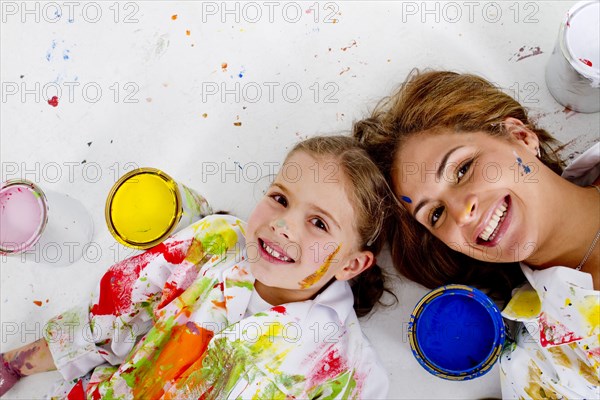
[[310, 205]]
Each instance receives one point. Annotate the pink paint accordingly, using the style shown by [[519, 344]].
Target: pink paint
[[53, 101], [22, 216]]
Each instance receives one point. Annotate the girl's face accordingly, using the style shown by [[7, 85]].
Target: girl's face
[[480, 195], [301, 234]]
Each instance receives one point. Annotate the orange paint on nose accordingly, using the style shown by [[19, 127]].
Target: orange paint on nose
[[185, 347], [318, 274]]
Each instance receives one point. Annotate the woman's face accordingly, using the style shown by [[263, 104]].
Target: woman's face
[[477, 193]]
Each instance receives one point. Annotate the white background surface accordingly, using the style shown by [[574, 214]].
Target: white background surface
[[154, 81]]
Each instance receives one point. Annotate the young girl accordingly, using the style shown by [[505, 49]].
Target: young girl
[[226, 309], [479, 186]]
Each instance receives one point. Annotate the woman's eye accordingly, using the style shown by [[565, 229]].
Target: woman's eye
[[462, 170], [318, 222], [436, 215], [280, 199]]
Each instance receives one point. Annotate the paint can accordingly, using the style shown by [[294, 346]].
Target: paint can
[[43, 226], [146, 205], [573, 71], [456, 332]]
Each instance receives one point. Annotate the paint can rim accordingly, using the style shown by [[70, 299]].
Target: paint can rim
[[457, 375], [39, 193], [174, 189]]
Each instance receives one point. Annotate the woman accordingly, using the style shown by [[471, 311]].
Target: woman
[[478, 184]]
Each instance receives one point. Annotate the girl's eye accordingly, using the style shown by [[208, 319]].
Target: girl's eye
[[280, 199], [436, 215], [462, 170], [318, 222]]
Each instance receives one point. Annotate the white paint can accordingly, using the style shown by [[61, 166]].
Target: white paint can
[[573, 72]]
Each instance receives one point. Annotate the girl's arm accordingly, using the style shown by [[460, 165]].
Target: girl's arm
[[27, 360]]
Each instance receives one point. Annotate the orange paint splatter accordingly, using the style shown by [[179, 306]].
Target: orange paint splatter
[[318, 274], [224, 66], [237, 123], [185, 347], [205, 115], [219, 304], [174, 17], [187, 32], [37, 303]]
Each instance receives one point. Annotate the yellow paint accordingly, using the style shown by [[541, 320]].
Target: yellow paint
[[589, 374], [589, 308], [568, 302], [524, 304], [318, 274], [144, 208], [560, 356]]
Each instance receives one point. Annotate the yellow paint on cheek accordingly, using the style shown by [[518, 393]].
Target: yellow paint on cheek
[[319, 273], [589, 309], [524, 304]]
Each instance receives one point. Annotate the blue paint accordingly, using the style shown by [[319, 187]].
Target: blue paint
[[406, 199], [66, 54], [456, 332]]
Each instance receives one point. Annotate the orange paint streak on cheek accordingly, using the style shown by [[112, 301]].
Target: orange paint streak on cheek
[[319, 273]]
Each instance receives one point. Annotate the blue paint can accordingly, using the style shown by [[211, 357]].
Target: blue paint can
[[456, 332]]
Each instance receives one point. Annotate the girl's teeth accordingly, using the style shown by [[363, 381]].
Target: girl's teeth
[[494, 222]]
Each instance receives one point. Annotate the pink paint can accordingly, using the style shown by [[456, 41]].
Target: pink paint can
[[42, 226], [573, 71]]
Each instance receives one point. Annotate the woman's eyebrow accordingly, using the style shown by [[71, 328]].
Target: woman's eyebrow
[[444, 161]]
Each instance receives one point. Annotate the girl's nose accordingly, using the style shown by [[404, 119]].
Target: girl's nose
[[280, 227], [465, 211]]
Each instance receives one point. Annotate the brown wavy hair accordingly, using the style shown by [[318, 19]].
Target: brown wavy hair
[[426, 102], [371, 197]]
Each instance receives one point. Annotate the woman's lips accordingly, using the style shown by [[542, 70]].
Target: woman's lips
[[496, 236]]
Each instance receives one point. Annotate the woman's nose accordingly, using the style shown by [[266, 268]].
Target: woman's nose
[[465, 211]]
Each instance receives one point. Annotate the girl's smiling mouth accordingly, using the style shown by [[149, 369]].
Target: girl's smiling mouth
[[273, 253], [496, 225]]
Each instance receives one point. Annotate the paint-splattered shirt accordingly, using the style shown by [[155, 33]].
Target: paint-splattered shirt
[[187, 299], [556, 353]]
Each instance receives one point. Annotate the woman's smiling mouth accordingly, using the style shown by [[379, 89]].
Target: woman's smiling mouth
[[497, 224]]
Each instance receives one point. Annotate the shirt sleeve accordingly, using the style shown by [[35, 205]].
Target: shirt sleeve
[[130, 294]]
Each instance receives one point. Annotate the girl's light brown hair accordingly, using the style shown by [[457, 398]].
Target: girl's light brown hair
[[427, 102], [370, 196]]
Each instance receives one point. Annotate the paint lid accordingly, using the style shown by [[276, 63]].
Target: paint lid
[[456, 332], [582, 39], [23, 215], [143, 208]]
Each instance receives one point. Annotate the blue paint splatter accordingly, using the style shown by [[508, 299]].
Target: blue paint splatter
[[406, 199], [242, 72], [66, 54]]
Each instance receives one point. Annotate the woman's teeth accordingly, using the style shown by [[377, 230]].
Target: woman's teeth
[[275, 253], [490, 230]]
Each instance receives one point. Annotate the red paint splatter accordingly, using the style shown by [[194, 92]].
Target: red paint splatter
[[77, 392], [279, 309], [170, 292], [37, 303], [53, 101], [117, 283], [219, 285], [586, 61], [329, 367], [554, 333]]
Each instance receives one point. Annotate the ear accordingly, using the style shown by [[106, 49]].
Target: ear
[[357, 263], [522, 134]]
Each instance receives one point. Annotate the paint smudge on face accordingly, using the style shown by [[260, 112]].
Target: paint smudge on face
[[318, 274], [526, 168], [406, 199], [586, 62], [526, 53], [53, 101], [280, 223]]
